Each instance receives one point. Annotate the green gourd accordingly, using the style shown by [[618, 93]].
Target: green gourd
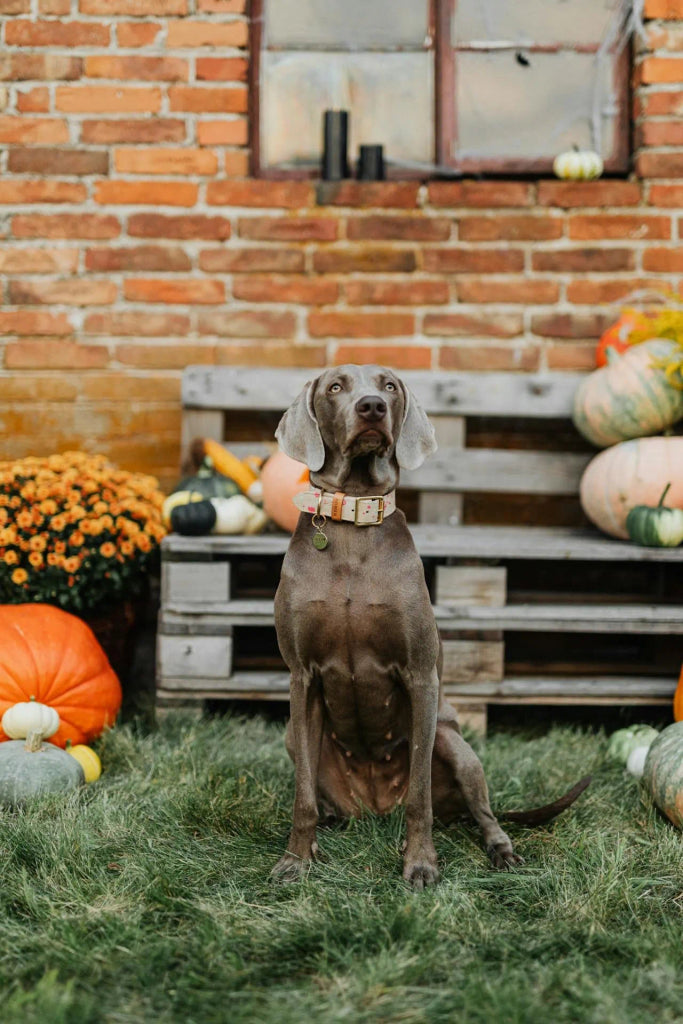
[[208, 482], [663, 772], [32, 768], [656, 527]]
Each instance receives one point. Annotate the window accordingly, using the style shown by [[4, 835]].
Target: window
[[446, 86]]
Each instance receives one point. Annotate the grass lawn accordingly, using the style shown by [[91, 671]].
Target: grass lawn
[[145, 897]]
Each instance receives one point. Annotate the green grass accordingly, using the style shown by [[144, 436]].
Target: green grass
[[146, 897]]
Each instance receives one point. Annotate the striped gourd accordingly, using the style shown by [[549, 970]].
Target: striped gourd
[[630, 397], [663, 772]]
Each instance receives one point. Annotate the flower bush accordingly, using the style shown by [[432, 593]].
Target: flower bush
[[75, 531]]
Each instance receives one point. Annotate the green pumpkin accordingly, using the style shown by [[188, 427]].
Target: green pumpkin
[[32, 768], [209, 482], [663, 772], [656, 527], [623, 741]]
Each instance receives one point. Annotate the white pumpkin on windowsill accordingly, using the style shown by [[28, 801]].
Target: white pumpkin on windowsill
[[578, 165]]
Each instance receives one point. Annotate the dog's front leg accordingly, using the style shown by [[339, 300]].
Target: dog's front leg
[[306, 726], [419, 859]]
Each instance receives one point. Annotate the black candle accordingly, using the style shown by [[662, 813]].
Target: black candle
[[371, 163], [335, 164]]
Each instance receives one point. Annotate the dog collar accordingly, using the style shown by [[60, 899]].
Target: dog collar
[[365, 510]]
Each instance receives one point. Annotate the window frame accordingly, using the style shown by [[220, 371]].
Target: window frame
[[618, 163]]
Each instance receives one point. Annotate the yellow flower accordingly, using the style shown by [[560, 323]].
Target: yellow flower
[[107, 550], [36, 559], [19, 576], [25, 520], [11, 558], [58, 523], [76, 539], [143, 542], [37, 543], [72, 564]]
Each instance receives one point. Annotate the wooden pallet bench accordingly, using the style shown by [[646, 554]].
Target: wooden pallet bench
[[528, 613]]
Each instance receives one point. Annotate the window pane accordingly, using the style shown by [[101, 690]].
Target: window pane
[[567, 22], [389, 96], [346, 24], [507, 110]]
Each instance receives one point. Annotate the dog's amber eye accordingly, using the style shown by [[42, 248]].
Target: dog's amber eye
[[389, 386], [335, 388]]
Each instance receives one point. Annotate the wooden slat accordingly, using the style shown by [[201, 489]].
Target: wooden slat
[[472, 661], [443, 506], [497, 471], [193, 657], [465, 586], [195, 582], [199, 423], [471, 394], [619, 688]]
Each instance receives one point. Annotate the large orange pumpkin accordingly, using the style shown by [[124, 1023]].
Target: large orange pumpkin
[[629, 474], [282, 478], [53, 656], [630, 397]]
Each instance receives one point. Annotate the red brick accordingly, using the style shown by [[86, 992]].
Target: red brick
[[223, 133], [663, 261], [189, 291], [163, 357], [383, 194], [195, 99], [146, 193], [73, 292], [472, 324], [122, 387], [183, 34], [48, 160], [664, 9], [364, 258], [667, 196], [593, 293], [33, 129], [406, 228], [15, 7], [28, 388], [570, 325], [288, 229], [656, 70], [248, 323], [526, 291], [34, 101], [236, 164], [55, 354], [520, 229], [360, 325], [38, 261], [474, 261], [140, 257], [109, 99], [569, 194], [222, 69], [570, 355], [583, 260], [245, 261], [144, 69], [56, 33], [24, 322], [65, 225], [166, 161], [135, 33], [149, 325], [620, 225], [271, 354], [401, 357], [662, 104], [310, 291], [222, 6], [659, 165], [41, 192], [286, 194], [20, 67], [158, 225], [661, 133], [55, 7], [480, 193], [157, 130], [522, 358], [135, 8], [408, 291]]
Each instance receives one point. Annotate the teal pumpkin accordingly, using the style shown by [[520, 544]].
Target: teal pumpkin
[[656, 526], [208, 482], [32, 768], [624, 741], [663, 772]]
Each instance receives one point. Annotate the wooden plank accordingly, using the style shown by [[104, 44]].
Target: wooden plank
[[238, 682], [192, 622], [472, 715], [471, 470], [616, 687], [199, 423], [195, 582], [466, 586], [464, 394], [472, 661], [193, 657], [438, 541], [442, 507]]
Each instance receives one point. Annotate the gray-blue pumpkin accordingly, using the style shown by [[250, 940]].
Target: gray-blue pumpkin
[[32, 768]]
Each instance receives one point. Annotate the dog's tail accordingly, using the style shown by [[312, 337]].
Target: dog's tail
[[542, 815]]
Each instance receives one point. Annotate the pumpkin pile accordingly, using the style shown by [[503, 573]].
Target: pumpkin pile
[[56, 685]]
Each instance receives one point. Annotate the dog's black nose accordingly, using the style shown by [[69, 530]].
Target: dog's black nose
[[371, 408]]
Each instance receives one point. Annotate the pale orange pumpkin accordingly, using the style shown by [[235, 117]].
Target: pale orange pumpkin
[[629, 474], [282, 478], [53, 656], [630, 397]]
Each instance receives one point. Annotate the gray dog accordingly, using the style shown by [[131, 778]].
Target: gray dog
[[370, 727]]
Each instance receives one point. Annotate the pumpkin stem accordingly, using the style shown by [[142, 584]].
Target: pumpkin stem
[[664, 494], [34, 741]]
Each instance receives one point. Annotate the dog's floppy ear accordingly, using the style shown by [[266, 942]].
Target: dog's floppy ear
[[416, 440], [298, 433]]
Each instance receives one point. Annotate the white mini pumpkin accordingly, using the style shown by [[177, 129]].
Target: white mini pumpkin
[[578, 165], [30, 716]]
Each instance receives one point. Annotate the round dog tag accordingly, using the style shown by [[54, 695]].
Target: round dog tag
[[320, 541]]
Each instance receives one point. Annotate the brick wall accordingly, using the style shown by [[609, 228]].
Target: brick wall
[[132, 241]]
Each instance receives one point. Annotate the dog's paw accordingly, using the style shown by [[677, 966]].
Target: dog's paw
[[291, 868], [503, 857], [419, 874]]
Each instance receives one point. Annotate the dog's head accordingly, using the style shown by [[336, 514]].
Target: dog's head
[[351, 412]]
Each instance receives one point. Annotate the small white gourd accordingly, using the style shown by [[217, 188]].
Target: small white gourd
[[636, 761], [30, 717], [578, 165], [237, 515]]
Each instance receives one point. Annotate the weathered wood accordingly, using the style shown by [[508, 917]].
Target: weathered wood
[[199, 423], [497, 471], [472, 716], [442, 507], [193, 658], [466, 586], [616, 687], [472, 661], [464, 394], [195, 582]]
